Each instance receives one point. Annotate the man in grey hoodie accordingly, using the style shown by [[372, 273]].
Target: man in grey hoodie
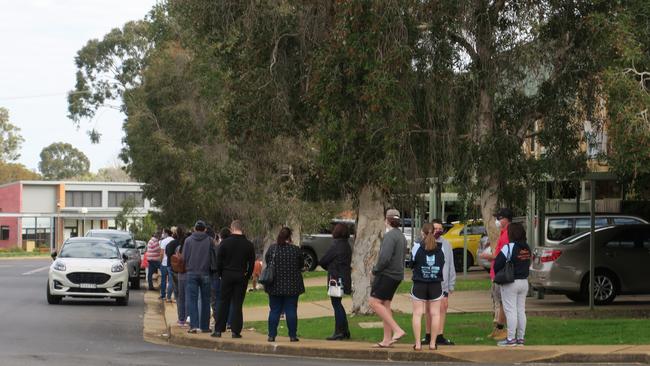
[[196, 254], [388, 272]]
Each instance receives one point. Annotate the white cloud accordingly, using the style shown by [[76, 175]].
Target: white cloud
[[39, 40]]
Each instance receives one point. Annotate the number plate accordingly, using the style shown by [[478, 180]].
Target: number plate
[[87, 285]]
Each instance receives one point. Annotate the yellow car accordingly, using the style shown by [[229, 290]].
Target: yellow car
[[456, 237]]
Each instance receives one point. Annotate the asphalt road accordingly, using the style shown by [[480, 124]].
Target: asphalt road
[[93, 333]]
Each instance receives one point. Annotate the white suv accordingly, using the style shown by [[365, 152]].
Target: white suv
[[88, 267]]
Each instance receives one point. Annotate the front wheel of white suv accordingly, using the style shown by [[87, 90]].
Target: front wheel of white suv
[[52, 299]]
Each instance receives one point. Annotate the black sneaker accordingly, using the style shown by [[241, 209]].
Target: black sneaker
[[444, 341], [426, 339]]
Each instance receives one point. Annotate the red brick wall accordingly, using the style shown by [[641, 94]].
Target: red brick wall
[[10, 202], [11, 198], [12, 223]]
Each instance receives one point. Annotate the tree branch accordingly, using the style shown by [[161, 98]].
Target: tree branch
[[275, 49], [461, 41], [644, 76]]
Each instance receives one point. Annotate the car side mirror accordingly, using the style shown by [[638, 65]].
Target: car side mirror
[[125, 258], [53, 255]]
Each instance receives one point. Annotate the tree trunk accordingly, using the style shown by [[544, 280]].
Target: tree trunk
[[369, 233], [489, 200]]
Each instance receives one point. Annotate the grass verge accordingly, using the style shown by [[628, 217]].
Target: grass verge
[[471, 329], [319, 293]]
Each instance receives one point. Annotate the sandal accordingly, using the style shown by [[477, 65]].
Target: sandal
[[416, 348], [434, 348], [380, 345]]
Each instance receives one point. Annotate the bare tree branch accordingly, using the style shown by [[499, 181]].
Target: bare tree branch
[[644, 76], [461, 41]]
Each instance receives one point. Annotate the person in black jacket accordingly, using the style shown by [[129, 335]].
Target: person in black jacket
[[235, 261], [174, 247], [287, 284], [337, 262], [513, 295]]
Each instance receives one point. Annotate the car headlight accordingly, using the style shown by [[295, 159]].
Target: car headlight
[[59, 266], [117, 267]]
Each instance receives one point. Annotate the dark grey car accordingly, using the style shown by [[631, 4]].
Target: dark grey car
[[314, 246], [622, 255], [127, 246]]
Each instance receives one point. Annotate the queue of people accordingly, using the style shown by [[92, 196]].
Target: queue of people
[[208, 273]]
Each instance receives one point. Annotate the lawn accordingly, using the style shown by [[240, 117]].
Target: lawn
[[319, 293], [471, 329]]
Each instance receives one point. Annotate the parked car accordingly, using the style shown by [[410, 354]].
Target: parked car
[[88, 267], [559, 226], [141, 246], [126, 243], [622, 254], [456, 237], [314, 246]]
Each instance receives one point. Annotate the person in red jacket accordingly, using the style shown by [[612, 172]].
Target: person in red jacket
[[503, 219]]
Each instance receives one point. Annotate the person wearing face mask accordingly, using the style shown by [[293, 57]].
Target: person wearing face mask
[[448, 282], [503, 218]]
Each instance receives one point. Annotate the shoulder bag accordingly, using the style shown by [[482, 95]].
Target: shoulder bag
[[335, 289], [507, 273], [268, 272], [177, 261]]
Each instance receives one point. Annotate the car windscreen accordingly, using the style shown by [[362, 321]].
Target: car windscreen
[[122, 241], [89, 249]]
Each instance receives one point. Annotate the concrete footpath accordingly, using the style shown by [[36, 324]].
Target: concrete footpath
[[160, 327]]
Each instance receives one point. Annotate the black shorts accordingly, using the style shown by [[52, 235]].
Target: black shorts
[[383, 287], [426, 291]]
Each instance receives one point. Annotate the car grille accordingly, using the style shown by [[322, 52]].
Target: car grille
[[88, 290], [88, 277]]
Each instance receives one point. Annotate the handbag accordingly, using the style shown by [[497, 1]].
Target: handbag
[[268, 272], [177, 261], [335, 289], [507, 273]]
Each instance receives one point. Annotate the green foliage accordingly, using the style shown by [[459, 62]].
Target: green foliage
[[62, 161], [10, 138], [107, 68], [256, 110], [11, 172], [122, 218], [362, 91]]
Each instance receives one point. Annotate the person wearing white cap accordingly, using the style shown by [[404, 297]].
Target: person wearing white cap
[[388, 272]]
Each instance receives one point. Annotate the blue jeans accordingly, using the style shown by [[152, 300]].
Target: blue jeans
[[166, 282], [340, 319], [152, 268], [198, 284], [288, 305], [181, 303]]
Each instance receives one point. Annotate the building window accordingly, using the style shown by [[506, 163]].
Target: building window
[[4, 232], [83, 199], [115, 199]]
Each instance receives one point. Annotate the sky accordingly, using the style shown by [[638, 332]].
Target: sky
[[38, 42]]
